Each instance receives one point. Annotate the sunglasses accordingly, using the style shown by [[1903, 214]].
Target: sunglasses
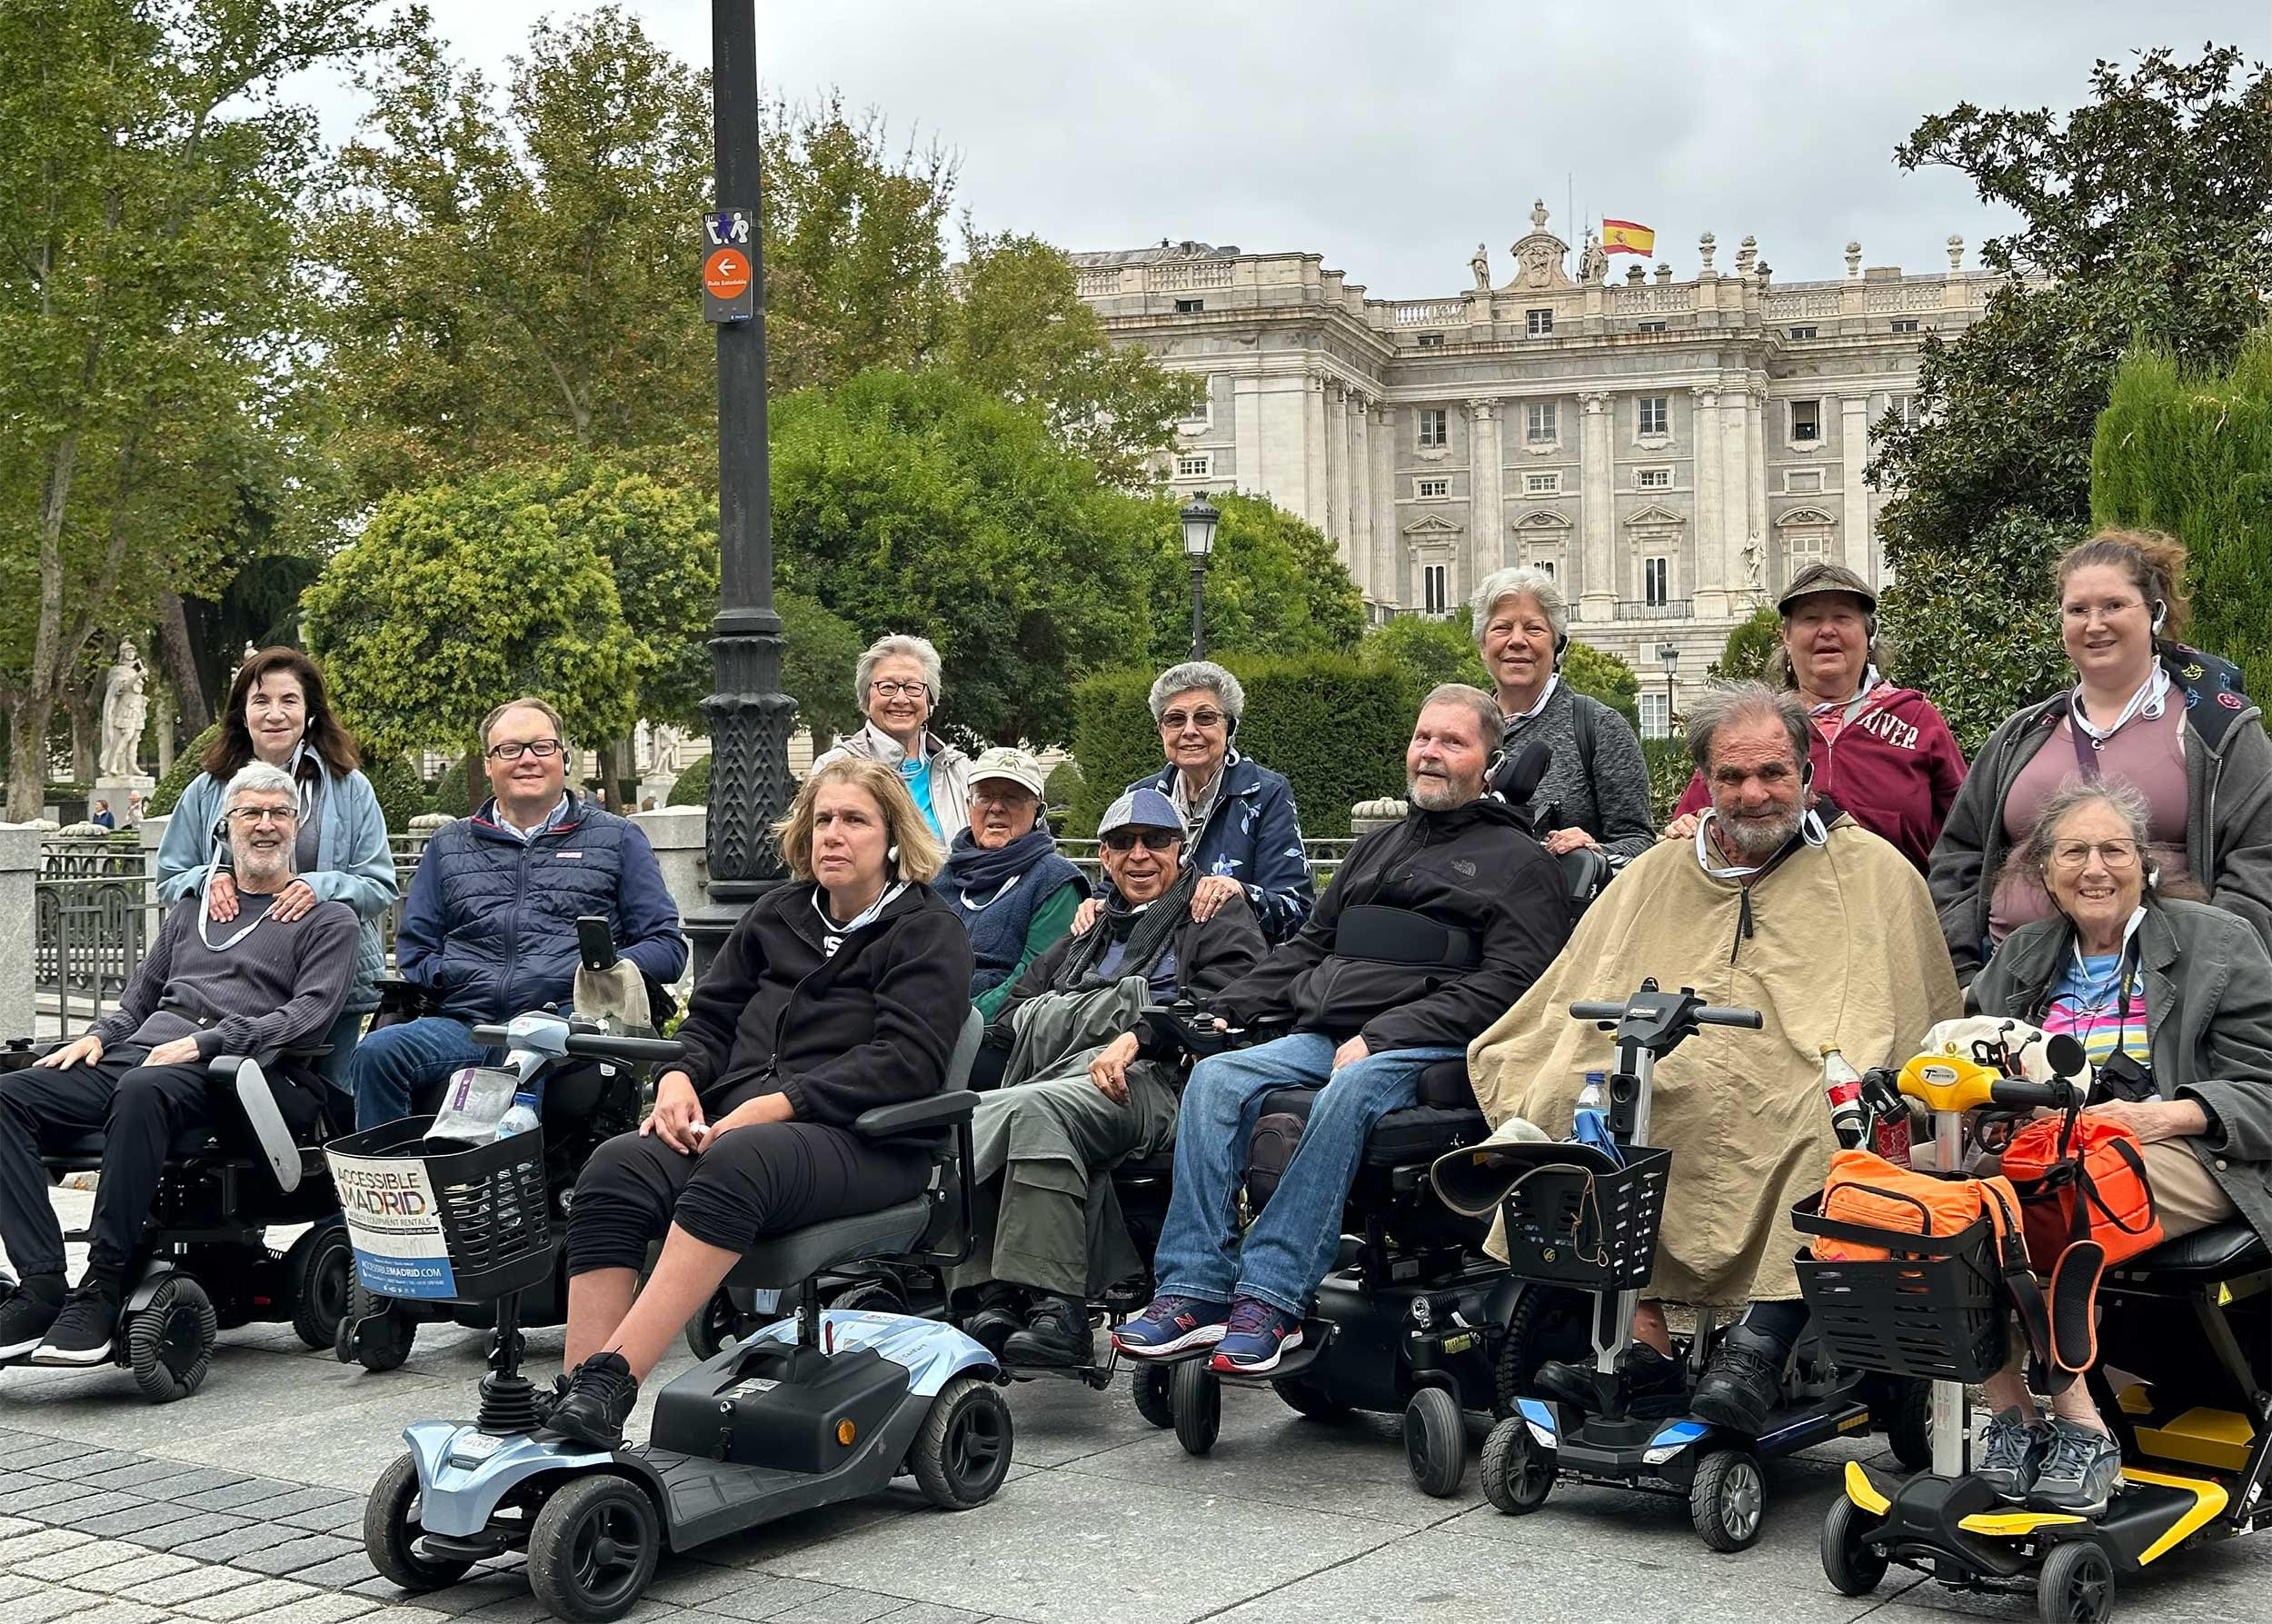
[[1174, 721], [1155, 840]]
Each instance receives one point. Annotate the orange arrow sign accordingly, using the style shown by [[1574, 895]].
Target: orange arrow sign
[[726, 273]]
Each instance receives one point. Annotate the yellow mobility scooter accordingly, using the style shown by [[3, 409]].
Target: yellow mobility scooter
[[2190, 1320]]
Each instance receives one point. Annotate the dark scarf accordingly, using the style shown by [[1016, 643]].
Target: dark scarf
[[976, 869], [1147, 932]]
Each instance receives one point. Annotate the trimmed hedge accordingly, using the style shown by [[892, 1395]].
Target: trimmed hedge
[[1335, 726], [1669, 771], [692, 787], [402, 792], [1063, 787], [452, 797], [187, 766]]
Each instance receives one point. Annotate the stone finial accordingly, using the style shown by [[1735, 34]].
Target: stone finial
[[1706, 246], [1767, 274], [1635, 275], [1664, 272], [1955, 251], [1853, 259], [1745, 252], [1537, 215]]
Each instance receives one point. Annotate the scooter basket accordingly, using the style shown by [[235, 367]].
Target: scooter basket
[[1935, 1309], [443, 1225], [1596, 1231]]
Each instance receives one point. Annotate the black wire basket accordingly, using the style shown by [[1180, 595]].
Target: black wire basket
[[1933, 1310], [483, 1208], [1596, 1231]]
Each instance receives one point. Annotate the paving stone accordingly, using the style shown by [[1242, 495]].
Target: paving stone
[[44, 1604], [243, 1494], [258, 1597], [341, 1573], [195, 1483], [326, 1511], [31, 1457], [289, 1555], [43, 1494], [13, 1584], [113, 1610], [12, 1526], [229, 1544], [22, 1547], [134, 1522], [85, 1459], [763, 1595], [839, 1607], [930, 1612], [145, 1565], [329, 1608], [73, 1513], [137, 1474], [75, 1562], [480, 1589], [194, 1580]]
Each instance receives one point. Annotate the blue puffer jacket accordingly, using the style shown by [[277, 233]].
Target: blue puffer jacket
[[1254, 835], [490, 924]]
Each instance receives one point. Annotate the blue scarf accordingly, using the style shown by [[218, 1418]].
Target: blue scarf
[[997, 920]]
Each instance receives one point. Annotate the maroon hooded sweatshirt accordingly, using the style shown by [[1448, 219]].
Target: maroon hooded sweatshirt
[[1896, 767]]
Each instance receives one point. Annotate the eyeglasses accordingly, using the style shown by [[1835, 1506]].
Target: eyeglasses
[[513, 750], [1155, 840], [2117, 855], [899, 690], [253, 817], [1009, 797], [1174, 721], [2080, 614]]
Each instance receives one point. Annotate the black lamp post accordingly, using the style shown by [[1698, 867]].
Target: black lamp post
[[750, 717], [1199, 518], [1671, 657]]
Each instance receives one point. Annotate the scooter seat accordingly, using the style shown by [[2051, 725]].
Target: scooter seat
[[783, 1260], [2210, 1254], [1419, 1134], [83, 1153]]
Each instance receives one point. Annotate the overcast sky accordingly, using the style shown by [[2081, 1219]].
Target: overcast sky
[[1389, 137]]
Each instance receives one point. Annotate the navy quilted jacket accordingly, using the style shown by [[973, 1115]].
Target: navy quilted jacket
[[490, 924]]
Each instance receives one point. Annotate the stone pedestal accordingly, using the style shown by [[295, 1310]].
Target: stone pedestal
[[119, 791], [19, 864], [1369, 815], [678, 834]]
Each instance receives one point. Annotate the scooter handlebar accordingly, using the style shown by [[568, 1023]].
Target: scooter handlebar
[[1714, 1014], [2018, 1093], [599, 1045], [1596, 1009]]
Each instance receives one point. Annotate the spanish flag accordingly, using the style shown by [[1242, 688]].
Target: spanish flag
[[1622, 236]]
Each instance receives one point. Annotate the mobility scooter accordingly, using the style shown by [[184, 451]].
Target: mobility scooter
[[2191, 1320], [1585, 1218], [829, 1406]]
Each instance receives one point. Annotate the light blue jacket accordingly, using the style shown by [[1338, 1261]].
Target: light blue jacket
[[353, 863]]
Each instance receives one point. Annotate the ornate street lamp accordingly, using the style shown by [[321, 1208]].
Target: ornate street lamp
[[1671, 657], [1199, 518]]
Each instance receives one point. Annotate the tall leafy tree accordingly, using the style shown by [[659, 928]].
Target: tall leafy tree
[[2143, 214], [1273, 583]]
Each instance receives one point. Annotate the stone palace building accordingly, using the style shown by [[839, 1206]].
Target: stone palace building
[[1671, 451]]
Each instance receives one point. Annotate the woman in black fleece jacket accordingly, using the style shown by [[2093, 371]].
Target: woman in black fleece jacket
[[836, 993]]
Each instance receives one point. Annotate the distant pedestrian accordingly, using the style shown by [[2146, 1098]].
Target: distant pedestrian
[[103, 815]]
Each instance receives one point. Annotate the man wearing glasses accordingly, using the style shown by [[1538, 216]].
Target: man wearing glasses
[[489, 928], [272, 977]]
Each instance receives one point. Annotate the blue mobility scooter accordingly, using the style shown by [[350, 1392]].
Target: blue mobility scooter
[[829, 1406], [204, 1264], [1584, 1219]]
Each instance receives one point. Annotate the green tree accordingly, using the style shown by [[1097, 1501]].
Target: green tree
[[820, 658], [1273, 583], [2141, 214], [661, 545], [2190, 453], [1749, 646], [455, 595], [1429, 652], [1605, 677]]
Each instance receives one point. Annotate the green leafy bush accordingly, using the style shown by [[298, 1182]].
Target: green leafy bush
[[453, 797], [402, 793], [1064, 786], [1669, 771], [1605, 677], [692, 787], [187, 766], [1749, 646]]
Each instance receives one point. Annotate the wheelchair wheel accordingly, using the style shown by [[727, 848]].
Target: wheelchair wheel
[[1304, 1399], [963, 1453], [592, 1548], [1149, 1388], [1436, 1441], [1518, 1470], [1728, 1500], [2076, 1586], [169, 1344], [322, 1265], [874, 1297], [1548, 1322], [1195, 1396], [718, 1323], [391, 1533], [375, 1332], [1852, 1569], [1908, 1421]]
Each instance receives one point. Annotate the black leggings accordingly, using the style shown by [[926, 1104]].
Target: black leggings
[[762, 1180]]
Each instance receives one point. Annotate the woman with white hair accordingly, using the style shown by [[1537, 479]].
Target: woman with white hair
[[1596, 792], [898, 683]]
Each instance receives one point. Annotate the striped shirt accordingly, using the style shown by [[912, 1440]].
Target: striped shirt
[[2090, 1004]]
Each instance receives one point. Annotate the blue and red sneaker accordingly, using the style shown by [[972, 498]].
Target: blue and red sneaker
[[1171, 1325], [1256, 1338]]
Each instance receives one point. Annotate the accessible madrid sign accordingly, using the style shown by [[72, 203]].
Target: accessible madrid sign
[[728, 294]]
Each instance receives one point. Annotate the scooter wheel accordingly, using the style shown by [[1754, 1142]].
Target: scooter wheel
[[1728, 1500], [1436, 1441], [963, 1453], [391, 1533], [1307, 1399], [169, 1344], [375, 1332], [718, 1323], [876, 1296], [319, 1283], [1518, 1470], [1909, 1422], [1149, 1388], [592, 1548], [1195, 1396], [2076, 1586], [1851, 1567]]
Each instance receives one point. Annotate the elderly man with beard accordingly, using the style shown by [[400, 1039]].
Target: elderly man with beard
[[265, 980], [1781, 902], [1430, 928]]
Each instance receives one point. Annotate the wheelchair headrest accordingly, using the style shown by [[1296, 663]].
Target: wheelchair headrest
[[965, 1055], [1520, 772], [1585, 871]]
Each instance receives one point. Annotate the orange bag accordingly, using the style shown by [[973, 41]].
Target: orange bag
[[2081, 1178], [1866, 1188]]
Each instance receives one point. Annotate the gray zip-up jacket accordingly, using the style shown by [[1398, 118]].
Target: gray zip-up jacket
[[2209, 1024], [2229, 819]]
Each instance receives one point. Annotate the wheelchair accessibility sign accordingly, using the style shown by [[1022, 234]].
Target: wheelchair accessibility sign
[[394, 1224]]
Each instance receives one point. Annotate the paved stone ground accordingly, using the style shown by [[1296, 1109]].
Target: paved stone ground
[[244, 1502]]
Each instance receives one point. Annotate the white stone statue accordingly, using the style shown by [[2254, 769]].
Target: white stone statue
[[125, 707], [1594, 264], [1754, 566], [1482, 266]]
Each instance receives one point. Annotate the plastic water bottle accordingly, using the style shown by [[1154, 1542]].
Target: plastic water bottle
[[1589, 1124], [1842, 1091], [521, 1116]]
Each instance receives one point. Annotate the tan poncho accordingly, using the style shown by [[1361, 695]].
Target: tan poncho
[[1844, 949]]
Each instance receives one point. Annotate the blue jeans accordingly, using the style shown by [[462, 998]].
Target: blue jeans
[[395, 1062], [1288, 1248]]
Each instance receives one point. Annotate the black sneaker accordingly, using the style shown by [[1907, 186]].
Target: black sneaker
[[1649, 1374], [1743, 1383], [1058, 1336], [87, 1325], [2079, 1471], [26, 1312], [601, 1392], [2011, 1449], [547, 1399], [994, 1323]]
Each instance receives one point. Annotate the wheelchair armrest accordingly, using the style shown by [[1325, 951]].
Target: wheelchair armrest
[[398, 996], [256, 1097], [916, 1116]]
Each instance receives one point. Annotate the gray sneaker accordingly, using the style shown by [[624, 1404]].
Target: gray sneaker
[[2011, 1450], [2079, 1472]]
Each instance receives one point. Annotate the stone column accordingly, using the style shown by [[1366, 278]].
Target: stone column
[[1856, 548], [1281, 466], [1755, 466], [1246, 433], [1735, 496], [1707, 588], [1487, 504], [1336, 525], [1596, 577], [1317, 494], [1385, 539], [19, 866], [1360, 463]]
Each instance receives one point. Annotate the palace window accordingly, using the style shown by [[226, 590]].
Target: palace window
[[1545, 566], [1435, 588], [1905, 325], [1657, 582], [1656, 710], [1189, 306], [1906, 405], [1653, 479], [1431, 341], [1805, 332], [1431, 427], [1806, 422], [1653, 416], [1538, 424], [1542, 484], [1650, 327], [1541, 322], [1803, 480], [1195, 464], [1427, 489]]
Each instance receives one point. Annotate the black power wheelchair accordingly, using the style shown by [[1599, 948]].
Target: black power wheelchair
[[204, 1264]]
